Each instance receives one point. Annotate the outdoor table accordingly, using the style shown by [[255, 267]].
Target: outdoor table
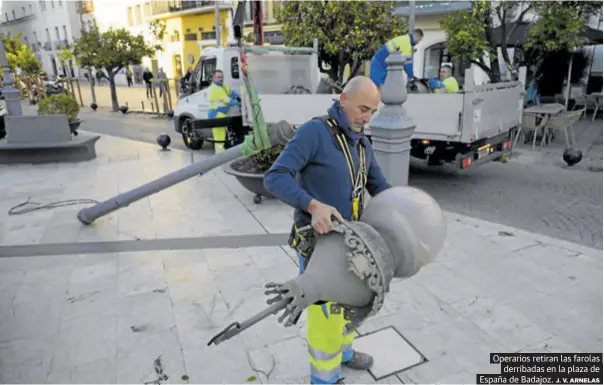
[[545, 111], [598, 99]]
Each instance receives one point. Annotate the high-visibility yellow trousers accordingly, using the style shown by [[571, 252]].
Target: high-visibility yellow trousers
[[219, 134], [328, 346]]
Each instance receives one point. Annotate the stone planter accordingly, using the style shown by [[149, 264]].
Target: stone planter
[[251, 181], [74, 125]]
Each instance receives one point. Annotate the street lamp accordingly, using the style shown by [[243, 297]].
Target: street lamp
[[11, 95]]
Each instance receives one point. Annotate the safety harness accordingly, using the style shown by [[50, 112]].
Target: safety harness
[[303, 239]]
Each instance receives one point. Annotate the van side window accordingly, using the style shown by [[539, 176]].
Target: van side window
[[209, 66], [203, 73], [235, 67]]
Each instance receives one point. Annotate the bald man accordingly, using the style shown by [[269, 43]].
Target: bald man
[[322, 173]]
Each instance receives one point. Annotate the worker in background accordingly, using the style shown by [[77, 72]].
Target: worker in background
[[221, 99], [447, 82], [333, 162], [404, 43]]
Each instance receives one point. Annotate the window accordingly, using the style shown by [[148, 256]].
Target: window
[[52, 3], [190, 37], [47, 34], [42, 5], [31, 9], [432, 60], [35, 36], [6, 15], [203, 73], [14, 16], [57, 33], [90, 25], [130, 20], [23, 8], [235, 67], [208, 35], [138, 15], [60, 3], [26, 40], [65, 33]]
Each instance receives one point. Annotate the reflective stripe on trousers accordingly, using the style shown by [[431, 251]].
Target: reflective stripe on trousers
[[328, 347]]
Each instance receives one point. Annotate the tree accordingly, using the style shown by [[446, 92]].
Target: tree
[[111, 51], [349, 32], [472, 36], [157, 29], [64, 57], [19, 55]]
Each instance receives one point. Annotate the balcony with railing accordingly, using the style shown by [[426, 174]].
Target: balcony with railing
[[60, 44], [163, 7], [47, 46], [16, 20], [86, 6]]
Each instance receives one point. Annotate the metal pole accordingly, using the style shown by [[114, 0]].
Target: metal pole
[[412, 21], [92, 92], [89, 214], [218, 24], [11, 95], [567, 93], [411, 16], [279, 134]]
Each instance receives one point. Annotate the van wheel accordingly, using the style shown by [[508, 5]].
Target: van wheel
[[188, 137]]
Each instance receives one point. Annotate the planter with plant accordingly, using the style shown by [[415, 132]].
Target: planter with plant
[[62, 104], [250, 170]]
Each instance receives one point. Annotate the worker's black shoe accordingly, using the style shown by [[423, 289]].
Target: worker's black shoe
[[359, 361]]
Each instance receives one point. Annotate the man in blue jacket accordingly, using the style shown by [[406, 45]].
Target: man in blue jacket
[[323, 172]]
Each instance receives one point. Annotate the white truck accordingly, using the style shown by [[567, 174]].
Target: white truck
[[466, 128]]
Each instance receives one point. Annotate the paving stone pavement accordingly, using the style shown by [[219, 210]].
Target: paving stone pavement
[[535, 190], [135, 317]]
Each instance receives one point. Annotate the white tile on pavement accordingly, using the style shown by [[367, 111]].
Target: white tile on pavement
[[226, 363], [151, 357], [103, 371], [282, 361], [434, 371], [390, 351], [83, 340]]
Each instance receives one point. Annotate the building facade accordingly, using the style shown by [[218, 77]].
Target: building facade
[[46, 27], [272, 30], [190, 27]]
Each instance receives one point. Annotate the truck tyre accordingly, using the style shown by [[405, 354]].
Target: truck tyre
[[187, 137]]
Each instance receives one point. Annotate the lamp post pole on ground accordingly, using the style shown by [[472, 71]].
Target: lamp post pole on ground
[[11, 95]]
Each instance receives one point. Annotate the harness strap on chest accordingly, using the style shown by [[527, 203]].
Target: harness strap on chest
[[358, 178]]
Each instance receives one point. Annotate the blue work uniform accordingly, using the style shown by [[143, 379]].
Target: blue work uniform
[[378, 68], [449, 85], [312, 167], [221, 98]]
